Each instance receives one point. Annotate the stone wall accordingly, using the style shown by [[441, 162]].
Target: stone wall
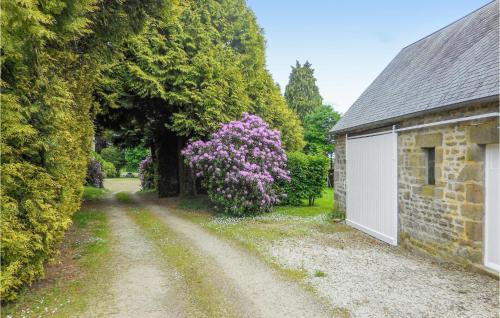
[[445, 219], [339, 173]]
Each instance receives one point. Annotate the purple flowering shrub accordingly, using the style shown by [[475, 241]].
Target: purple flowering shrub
[[94, 174], [241, 166], [146, 173]]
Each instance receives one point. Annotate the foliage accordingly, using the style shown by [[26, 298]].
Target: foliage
[[52, 54], [133, 156], [95, 175], [192, 70], [146, 173], [301, 93], [114, 155], [109, 170], [240, 164], [308, 178], [92, 193], [317, 126]]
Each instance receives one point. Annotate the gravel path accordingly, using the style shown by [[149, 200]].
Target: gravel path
[[258, 291], [141, 286], [372, 279]]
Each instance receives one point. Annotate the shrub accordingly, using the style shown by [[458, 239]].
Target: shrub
[[133, 156], [308, 178], [109, 169], [94, 174], [240, 165], [115, 156], [146, 173]]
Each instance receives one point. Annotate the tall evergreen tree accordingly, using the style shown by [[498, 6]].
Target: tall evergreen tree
[[301, 92], [51, 56], [182, 77]]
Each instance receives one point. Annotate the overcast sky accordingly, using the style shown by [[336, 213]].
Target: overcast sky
[[348, 42]]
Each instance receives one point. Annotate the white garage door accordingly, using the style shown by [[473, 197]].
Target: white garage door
[[371, 184], [492, 208]]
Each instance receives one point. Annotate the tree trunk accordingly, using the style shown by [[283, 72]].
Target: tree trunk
[[167, 163], [187, 180]]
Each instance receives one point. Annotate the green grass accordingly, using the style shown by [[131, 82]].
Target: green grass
[[93, 194], [322, 205], [319, 273], [124, 197], [68, 295], [203, 297]]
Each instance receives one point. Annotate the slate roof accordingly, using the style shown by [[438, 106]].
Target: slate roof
[[456, 64]]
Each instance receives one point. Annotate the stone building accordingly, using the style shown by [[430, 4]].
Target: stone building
[[416, 160]]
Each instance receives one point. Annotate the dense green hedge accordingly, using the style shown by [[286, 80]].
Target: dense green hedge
[[308, 174], [52, 52]]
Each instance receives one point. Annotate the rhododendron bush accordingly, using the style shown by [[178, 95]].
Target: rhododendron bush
[[146, 173], [241, 166]]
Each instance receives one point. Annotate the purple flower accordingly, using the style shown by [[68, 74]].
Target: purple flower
[[240, 165]]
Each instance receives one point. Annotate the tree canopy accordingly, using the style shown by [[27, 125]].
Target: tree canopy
[[317, 126], [301, 92], [204, 66]]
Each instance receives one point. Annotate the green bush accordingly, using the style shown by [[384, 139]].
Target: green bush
[[109, 170], [308, 173], [52, 55], [133, 156], [115, 156]]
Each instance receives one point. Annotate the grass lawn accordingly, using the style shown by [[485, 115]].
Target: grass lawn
[[322, 205], [93, 194], [75, 278]]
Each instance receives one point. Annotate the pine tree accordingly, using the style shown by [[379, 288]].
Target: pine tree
[[301, 93]]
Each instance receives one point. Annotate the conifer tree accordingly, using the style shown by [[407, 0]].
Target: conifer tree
[[52, 54], [184, 76], [301, 92]]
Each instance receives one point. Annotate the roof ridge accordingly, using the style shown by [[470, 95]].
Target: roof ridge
[[449, 24]]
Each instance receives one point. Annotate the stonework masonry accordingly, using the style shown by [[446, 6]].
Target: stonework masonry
[[339, 173], [445, 220]]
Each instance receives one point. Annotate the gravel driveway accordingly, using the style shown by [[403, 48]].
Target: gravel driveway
[[372, 279]]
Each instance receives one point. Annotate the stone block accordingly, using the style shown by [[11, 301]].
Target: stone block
[[472, 211], [471, 172], [474, 193], [474, 230], [439, 155], [429, 140], [485, 133], [474, 153], [427, 190]]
